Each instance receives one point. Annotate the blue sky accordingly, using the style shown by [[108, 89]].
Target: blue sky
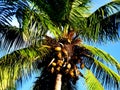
[[112, 48], [98, 3]]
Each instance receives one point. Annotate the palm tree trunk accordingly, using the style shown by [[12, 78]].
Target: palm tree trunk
[[58, 82]]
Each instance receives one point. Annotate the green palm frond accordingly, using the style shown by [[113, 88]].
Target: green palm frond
[[92, 82], [36, 22], [103, 56], [19, 64], [51, 15], [6, 13], [102, 25], [79, 11], [31, 19], [97, 62], [11, 37], [106, 76], [56, 10], [63, 11]]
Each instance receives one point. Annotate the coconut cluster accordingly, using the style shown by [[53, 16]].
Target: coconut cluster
[[65, 56], [64, 62]]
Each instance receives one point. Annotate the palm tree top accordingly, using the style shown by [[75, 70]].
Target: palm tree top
[[70, 22], [54, 14]]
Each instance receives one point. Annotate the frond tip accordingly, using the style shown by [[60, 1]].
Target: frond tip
[[106, 76], [92, 82], [97, 64], [103, 56]]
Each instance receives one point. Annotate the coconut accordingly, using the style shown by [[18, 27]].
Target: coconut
[[65, 52], [57, 48], [53, 64], [60, 62], [58, 68], [72, 73], [59, 55], [68, 65]]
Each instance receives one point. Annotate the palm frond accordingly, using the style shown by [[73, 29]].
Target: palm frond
[[102, 25], [19, 64], [6, 13], [19, 9], [36, 23], [106, 76], [56, 10], [79, 10], [103, 73], [11, 38], [103, 56], [91, 81]]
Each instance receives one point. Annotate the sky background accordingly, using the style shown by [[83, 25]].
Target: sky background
[[112, 48]]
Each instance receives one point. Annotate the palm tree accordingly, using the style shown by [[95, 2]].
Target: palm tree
[[62, 57]]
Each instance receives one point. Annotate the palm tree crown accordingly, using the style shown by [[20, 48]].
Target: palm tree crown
[[63, 54]]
